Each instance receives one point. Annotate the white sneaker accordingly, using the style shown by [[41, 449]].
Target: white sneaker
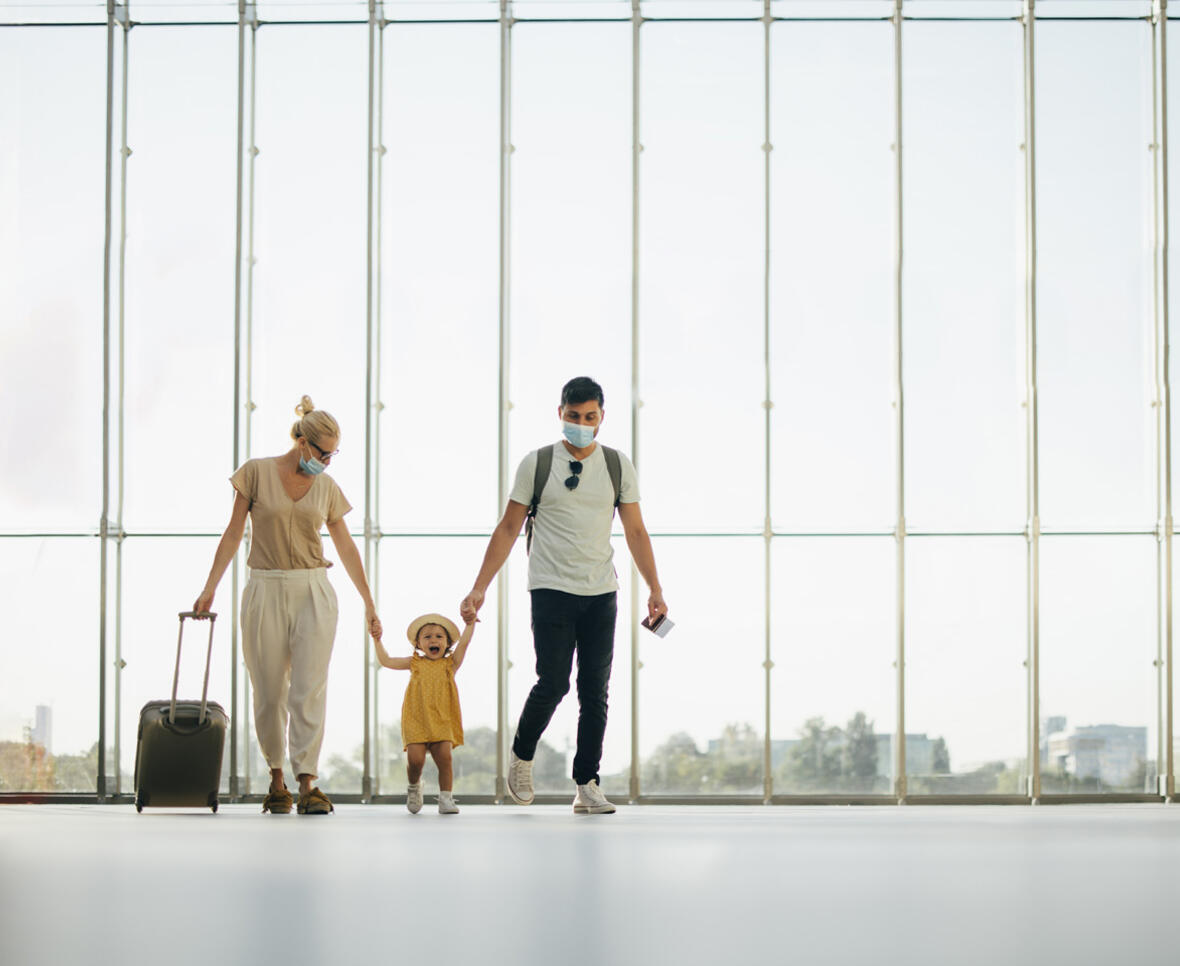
[[414, 798], [446, 804], [591, 801], [520, 780]]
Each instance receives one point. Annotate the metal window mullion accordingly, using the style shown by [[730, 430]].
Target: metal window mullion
[[244, 341], [366, 772], [506, 22], [767, 405], [1165, 364], [1166, 764], [235, 456], [103, 525], [1033, 528], [124, 154], [378, 406], [636, 402], [372, 226], [899, 750]]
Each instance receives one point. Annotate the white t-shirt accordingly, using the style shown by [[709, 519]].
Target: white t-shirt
[[571, 533]]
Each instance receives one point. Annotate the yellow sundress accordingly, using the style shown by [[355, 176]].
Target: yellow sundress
[[430, 711]]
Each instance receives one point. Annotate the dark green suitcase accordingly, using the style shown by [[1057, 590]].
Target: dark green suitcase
[[179, 750]]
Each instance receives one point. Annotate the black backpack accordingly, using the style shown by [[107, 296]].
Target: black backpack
[[614, 467]]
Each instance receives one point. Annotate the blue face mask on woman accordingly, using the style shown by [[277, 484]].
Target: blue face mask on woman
[[579, 436], [312, 467]]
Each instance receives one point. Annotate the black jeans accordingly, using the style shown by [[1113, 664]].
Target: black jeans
[[565, 624]]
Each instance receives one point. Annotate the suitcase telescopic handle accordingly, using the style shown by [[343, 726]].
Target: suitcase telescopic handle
[[208, 659]]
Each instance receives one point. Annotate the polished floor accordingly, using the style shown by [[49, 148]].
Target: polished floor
[[652, 884]]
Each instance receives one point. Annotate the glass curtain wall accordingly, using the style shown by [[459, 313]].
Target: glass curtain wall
[[876, 291]]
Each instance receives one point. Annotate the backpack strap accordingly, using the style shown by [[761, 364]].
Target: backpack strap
[[614, 466], [540, 478]]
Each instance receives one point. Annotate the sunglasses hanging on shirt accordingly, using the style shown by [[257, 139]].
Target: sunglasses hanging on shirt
[[575, 468]]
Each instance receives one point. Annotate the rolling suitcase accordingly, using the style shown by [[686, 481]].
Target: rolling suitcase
[[178, 753]]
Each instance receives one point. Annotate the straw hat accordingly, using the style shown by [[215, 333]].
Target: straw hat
[[419, 622]]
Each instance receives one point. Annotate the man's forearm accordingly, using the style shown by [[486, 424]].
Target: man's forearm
[[499, 547], [644, 558]]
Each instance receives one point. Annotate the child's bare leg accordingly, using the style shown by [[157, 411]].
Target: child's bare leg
[[415, 759], [440, 751]]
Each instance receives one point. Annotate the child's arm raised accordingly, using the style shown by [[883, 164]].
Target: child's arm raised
[[397, 663], [464, 640]]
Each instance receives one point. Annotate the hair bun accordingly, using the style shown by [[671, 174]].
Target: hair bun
[[305, 406]]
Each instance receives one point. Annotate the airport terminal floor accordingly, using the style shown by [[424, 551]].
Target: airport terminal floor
[[919, 885]]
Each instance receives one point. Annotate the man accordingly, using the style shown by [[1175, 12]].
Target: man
[[572, 583]]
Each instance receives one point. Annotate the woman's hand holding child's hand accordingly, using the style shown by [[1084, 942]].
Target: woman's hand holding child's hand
[[374, 623]]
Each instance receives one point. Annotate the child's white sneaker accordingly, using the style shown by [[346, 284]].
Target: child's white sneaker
[[446, 804], [414, 798], [591, 801], [520, 780]]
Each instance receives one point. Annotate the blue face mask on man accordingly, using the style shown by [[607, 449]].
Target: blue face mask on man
[[579, 436]]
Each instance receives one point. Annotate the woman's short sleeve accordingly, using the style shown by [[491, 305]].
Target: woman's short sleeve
[[245, 480], [338, 505]]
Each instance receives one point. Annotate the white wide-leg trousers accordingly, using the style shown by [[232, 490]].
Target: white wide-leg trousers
[[288, 629]]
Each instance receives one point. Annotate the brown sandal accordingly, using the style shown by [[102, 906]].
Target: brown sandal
[[315, 802], [277, 803]]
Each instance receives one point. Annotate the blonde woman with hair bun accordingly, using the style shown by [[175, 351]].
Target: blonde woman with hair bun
[[289, 609]]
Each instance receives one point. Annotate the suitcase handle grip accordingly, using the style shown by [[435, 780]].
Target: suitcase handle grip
[[196, 615]]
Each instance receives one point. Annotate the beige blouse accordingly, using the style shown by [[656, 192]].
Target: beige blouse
[[285, 533]]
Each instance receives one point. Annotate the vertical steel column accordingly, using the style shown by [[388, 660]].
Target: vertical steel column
[[123, 16], [1163, 401], [506, 149], [378, 406], [372, 364], [1033, 527], [243, 229], [767, 402], [103, 523], [636, 402], [237, 452], [899, 749], [243, 346]]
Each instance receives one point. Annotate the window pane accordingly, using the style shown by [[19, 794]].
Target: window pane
[[1094, 275], [701, 690], [700, 270], [1098, 645], [554, 761], [571, 225], [832, 198], [964, 277], [49, 688], [52, 139], [833, 703], [419, 576], [966, 680], [309, 284], [439, 339], [182, 103]]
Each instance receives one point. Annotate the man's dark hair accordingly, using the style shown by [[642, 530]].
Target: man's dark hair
[[580, 390]]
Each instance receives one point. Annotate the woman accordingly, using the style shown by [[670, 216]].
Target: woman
[[289, 607]]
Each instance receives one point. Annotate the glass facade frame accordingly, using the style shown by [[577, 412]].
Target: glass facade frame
[[776, 17]]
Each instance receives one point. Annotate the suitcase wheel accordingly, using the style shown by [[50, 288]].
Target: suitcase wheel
[[213, 803], [140, 801]]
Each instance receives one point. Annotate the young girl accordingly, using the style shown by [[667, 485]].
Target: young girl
[[431, 720]]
